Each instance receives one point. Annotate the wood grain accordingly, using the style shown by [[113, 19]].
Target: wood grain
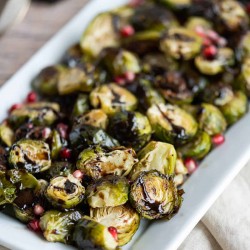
[[24, 39]]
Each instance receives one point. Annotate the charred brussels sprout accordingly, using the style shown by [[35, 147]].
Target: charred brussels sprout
[[95, 118], [39, 113], [58, 226], [82, 137], [112, 98], [211, 119], [101, 33], [108, 191], [120, 61], [131, 129], [123, 218], [97, 162], [155, 155], [7, 190], [235, 108], [6, 135], [171, 123], [65, 192], [243, 80], [181, 43], [198, 147], [24, 215], [81, 105], [59, 168], [31, 155], [154, 195], [214, 66], [89, 234]]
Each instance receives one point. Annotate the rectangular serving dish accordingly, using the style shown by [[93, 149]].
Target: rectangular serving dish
[[201, 189]]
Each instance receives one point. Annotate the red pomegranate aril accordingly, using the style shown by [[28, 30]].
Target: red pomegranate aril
[[63, 130], [65, 153], [38, 210], [210, 52], [130, 76], [206, 42], [120, 80], [218, 139], [78, 174], [127, 31], [212, 35], [113, 232], [191, 165], [31, 97], [15, 106], [46, 133], [135, 3], [248, 8], [34, 226]]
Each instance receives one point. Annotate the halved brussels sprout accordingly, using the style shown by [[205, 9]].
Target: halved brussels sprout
[[31, 155], [74, 56], [131, 129], [39, 113], [224, 57], [57, 143], [147, 95], [243, 49], [7, 190], [101, 33], [120, 61], [143, 42], [81, 105], [181, 43], [25, 215], [243, 80], [65, 192], [123, 218], [6, 135], [180, 172], [3, 159], [211, 119], [109, 191], [194, 21], [171, 123], [154, 195], [82, 137], [89, 234], [155, 155], [236, 108], [97, 162], [112, 98], [58, 226], [197, 148], [59, 168], [95, 118], [176, 4], [152, 17]]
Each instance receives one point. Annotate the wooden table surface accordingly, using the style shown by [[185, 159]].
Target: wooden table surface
[[24, 39]]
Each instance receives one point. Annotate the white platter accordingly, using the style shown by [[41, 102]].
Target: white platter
[[202, 189]]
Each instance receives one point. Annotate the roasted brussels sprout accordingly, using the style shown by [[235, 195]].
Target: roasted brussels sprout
[[236, 108], [243, 80], [112, 98], [131, 129], [171, 123], [24, 215], [3, 159], [123, 218], [101, 33], [81, 105], [97, 162], [180, 172], [155, 155], [58, 226], [31, 155], [194, 21], [181, 43], [39, 113], [211, 119], [6, 135], [120, 61], [7, 190], [59, 168], [65, 192], [95, 118], [154, 195], [89, 234], [243, 49], [176, 4], [108, 191], [57, 143], [198, 148], [223, 58], [82, 137]]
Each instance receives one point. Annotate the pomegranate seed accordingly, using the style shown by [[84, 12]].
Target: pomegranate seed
[[31, 97], [218, 139], [248, 8], [78, 174], [30, 125], [120, 80], [210, 52], [46, 133], [191, 165], [130, 76], [127, 31], [65, 153], [38, 210], [15, 106], [113, 232], [206, 42], [212, 35], [63, 130], [34, 225], [135, 3]]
